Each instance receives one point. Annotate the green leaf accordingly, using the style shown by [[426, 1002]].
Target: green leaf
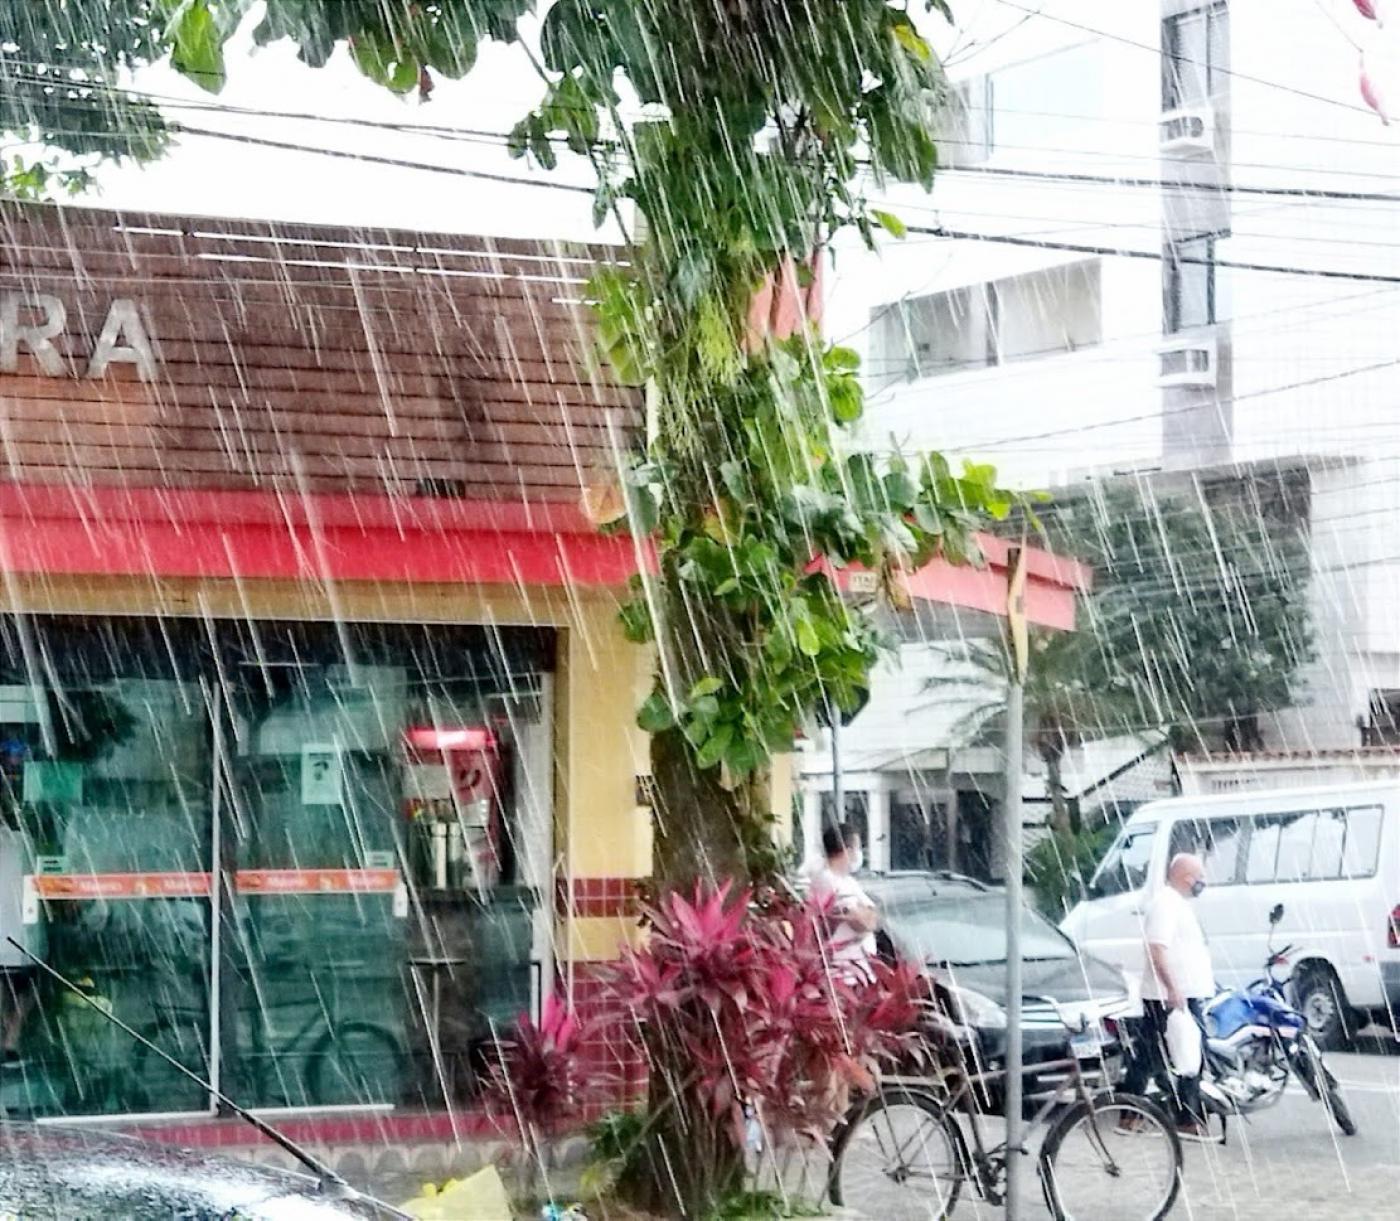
[[384, 63], [889, 222], [928, 518], [706, 686], [847, 400], [909, 38], [742, 756], [655, 715], [197, 48], [713, 749], [807, 640], [841, 360], [901, 491], [636, 621], [642, 510]]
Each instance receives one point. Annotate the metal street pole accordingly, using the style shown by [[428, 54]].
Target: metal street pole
[[1011, 826], [838, 788], [1011, 817]]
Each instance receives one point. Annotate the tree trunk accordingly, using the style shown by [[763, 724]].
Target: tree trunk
[[1242, 734], [1060, 821], [700, 829]]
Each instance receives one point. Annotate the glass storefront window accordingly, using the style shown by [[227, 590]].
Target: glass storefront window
[[364, 809]]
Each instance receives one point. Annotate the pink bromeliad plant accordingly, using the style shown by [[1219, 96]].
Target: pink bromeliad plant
[[535, 1085], [746, 1019]]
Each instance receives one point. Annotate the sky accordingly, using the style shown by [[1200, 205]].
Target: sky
[[206, 176]]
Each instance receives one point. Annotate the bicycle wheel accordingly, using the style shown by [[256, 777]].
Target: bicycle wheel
[[355, 1063], [1115, 1157], [148, 1083], [900, 1156]]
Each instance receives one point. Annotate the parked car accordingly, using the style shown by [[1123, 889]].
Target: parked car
[[956, 928], [1331, 856], [56, 1173]]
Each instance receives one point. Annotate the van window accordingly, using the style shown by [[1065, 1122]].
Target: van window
[[1125, 867], [1263, 848], [1313, 845], [1329, 837], [1295, 845], [1362, 850], [1216, 841]]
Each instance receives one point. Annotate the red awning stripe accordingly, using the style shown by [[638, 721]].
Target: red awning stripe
[[178, 533]]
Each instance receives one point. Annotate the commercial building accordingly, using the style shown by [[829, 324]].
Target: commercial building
[[310, 664], [317, 724]]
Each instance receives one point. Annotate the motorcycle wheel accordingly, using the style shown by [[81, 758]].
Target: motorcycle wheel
[[1322, 1085]]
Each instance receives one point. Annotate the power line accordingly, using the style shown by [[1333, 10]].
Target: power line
[[1325, 273], [488, 136], [1183, 59], [1184, 408], [209, 104], [375, 159], [1167, 184]]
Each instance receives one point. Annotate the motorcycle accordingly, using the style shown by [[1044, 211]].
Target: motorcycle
[[1254, 1040]]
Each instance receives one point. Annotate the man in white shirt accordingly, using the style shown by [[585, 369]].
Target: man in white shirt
[[1178, 976], [853, 914]]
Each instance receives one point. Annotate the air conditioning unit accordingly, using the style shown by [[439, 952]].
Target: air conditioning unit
[[1187, 361], [1189, 132]]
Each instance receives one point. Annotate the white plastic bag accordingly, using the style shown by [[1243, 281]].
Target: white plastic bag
[[1183, 1043]]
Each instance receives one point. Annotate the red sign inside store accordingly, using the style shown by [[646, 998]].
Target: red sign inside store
[[60, 886]]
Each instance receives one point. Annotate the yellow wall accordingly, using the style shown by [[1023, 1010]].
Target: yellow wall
[[602, 680]]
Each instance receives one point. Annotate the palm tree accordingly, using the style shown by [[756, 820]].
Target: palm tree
[[1063, 706]]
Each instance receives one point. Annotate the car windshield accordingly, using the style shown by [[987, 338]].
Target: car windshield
[[966, 930]]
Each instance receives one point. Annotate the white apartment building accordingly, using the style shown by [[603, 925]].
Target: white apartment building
[[1180, 252]]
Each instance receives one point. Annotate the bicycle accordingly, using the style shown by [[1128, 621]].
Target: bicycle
[[901, 1153], [346, 1062]]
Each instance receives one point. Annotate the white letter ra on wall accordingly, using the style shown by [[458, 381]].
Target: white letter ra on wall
[[123, 339], [36, 336]]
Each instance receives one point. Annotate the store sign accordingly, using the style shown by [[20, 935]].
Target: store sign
[[322, 769], [68, 887], [30, 322], [317, 881]]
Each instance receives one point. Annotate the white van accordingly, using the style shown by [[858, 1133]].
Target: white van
[[1331, 856]]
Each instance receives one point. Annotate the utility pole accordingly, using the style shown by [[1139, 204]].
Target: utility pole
[[1011, 825], [838, 786]]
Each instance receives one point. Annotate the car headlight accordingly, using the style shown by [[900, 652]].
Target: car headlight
[[978, 1010]]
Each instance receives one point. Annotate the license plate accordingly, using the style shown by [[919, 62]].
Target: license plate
[[1086, 1046]]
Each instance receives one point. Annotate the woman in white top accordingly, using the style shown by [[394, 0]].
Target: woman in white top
[[852, 912]]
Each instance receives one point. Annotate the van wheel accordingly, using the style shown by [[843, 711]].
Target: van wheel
[[1322, 1002]]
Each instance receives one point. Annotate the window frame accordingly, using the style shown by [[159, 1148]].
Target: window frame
[[1372, 868], [1215, 15], [1173, 254], [1146, 830], [984, 302], [1245, 822]]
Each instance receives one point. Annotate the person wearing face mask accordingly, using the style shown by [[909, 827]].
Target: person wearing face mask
[[853, 914], [1178, 976]]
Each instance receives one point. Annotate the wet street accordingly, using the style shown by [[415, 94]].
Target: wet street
[[1286, 1163]]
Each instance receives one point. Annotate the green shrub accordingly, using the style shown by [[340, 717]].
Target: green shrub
[[1059, 866]]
